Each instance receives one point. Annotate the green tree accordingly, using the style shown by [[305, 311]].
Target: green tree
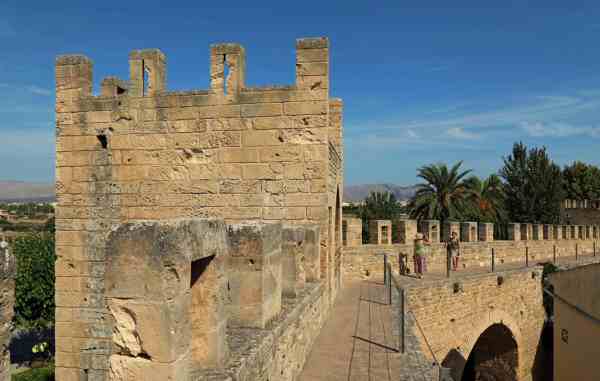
[[443, 195], [533, 185], [34, 282], [581, 181]]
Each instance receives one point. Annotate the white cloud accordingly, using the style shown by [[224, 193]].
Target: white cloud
[[541, 129], [33, 89], [412, 134], [38, 90], [461, 133]]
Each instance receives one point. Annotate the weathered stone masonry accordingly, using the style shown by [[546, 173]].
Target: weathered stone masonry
[[454, 314], [139, 152], [7, 303]]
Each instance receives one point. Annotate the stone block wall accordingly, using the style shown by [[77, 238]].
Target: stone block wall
[[449, 228], [7, 304], [486, 231], [468, 231], [365, 261], [166, 297], [407, 231], [191, 297], [537, 232], [455, 313], [526, 232], [140, 152], [431, 230], [557, 232], [514, 232], [254, 269], [293, 258], [380, 232], [352, 231], [580, 212], [548, 232]]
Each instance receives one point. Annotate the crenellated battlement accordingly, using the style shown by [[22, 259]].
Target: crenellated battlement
[[148, 76], [580, 204]]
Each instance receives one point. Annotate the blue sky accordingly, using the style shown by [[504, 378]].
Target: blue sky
[[421, 84]]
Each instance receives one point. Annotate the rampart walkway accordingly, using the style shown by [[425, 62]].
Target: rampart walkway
[[356, 342]]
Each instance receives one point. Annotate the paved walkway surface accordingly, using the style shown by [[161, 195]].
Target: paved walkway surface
[[356, 342]]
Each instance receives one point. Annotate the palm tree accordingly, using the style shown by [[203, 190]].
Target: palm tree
[[486, 198], [443, 196]]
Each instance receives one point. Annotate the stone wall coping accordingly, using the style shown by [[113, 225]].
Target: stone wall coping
[[247, 344], [408, 283]]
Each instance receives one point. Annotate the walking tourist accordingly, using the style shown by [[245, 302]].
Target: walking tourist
[[453, 250], [419, 255]]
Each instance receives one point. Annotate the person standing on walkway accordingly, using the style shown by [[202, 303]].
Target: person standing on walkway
[[453, 250], [419, 255]]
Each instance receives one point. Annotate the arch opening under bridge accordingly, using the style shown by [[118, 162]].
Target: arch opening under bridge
[[490, 353]]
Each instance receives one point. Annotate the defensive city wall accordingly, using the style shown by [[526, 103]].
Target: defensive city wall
[[7, 304], [199, 232], [583, 212], [527, 242]]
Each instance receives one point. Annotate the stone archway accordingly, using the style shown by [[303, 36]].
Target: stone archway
[[494, 356], [456, 358]]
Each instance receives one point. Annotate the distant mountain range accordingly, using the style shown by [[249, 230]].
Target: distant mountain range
[[354, 193], [20, 191], [11, 191]]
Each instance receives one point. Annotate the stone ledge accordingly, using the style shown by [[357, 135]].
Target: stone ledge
[[251, 348]]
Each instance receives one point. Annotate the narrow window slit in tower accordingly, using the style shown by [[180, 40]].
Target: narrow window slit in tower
[[145, 79], [225, 74], [103, 140]]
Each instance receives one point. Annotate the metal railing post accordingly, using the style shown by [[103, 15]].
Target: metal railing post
[[448, 264], [493, 260], [576, 251], [554, 254], [402, 317], [594, 246], [385, 263], [389, 285], [526, 256]]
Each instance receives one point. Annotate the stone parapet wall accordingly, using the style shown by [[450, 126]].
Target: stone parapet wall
[[407, 229], [367, 260], [580, 212], [195, 297], [278, 352], [352, 231], [380, 232], [7, 304]]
